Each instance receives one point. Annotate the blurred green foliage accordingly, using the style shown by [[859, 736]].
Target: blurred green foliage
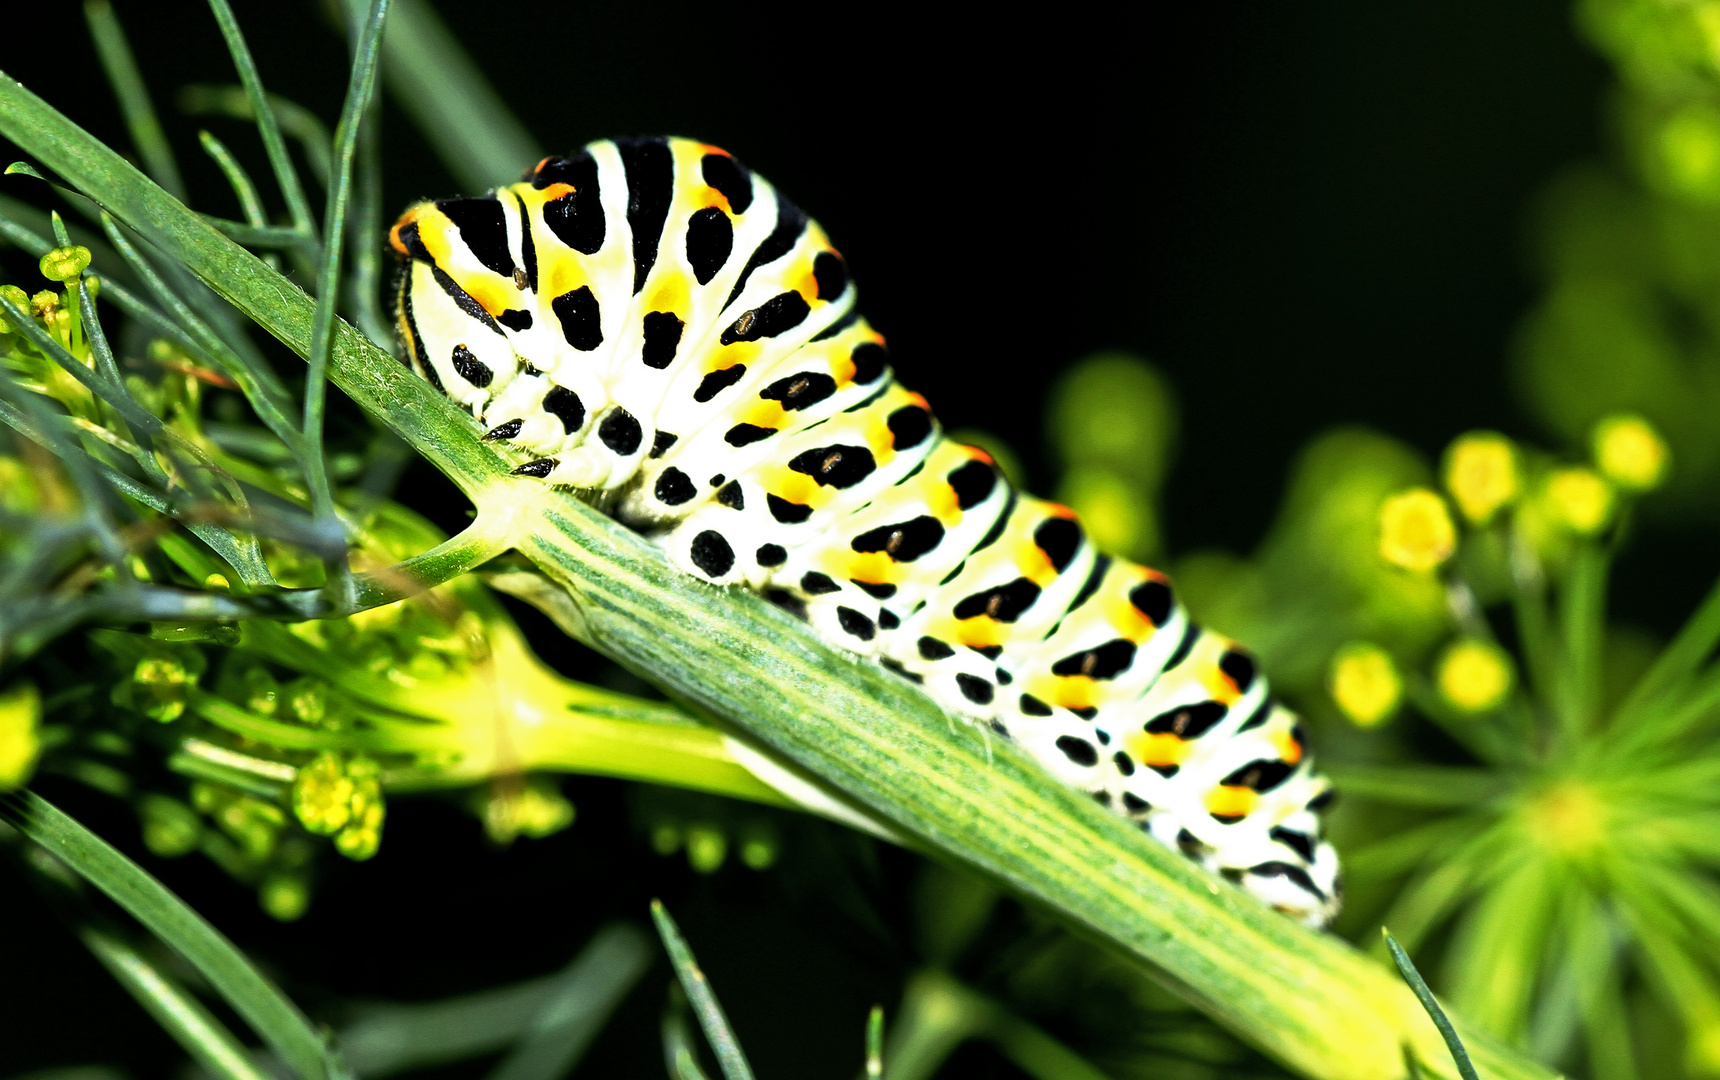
[[1630, 251]]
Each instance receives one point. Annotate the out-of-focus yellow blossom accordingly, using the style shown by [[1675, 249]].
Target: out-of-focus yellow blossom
[[65, 263], [362, 836], [285, 897], [1689, 151], [1474, 676], [1416, 532], [20, 736], [1630, 452], [159, 686], [322, 795], [1365, 683], [1482, 475], [537, 809], [707, 848], [1580, 500], [170, 828]]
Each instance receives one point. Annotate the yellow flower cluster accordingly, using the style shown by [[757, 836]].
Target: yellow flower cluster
[[343, 800]]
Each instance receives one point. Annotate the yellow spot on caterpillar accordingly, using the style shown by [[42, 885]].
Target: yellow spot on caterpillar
[[670, 294], [1076, 692], [1233, 802], [1158, 748]]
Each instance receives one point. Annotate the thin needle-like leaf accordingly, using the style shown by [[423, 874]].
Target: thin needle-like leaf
[[121, 67], [875, 1043], [705, 1006], [294, 119], [237, 178], [358, 94], [1410, 975], [268, 127], [184, 1017], [581, 1003], [273, 1017]]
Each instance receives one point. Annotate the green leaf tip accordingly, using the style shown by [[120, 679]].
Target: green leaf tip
[[1406, 968], [24, 168]]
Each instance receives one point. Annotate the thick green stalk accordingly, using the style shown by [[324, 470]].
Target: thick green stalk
[[1309, 999]]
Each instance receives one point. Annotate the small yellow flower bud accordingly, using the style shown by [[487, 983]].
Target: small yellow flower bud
[[1481, 474], [18, 297], [1474, 676], [707, 848], [170, 828], [760, 847], [65, 263], [20, 737], [285, 897], [1580, 500], [159, 687], [1630, 452], [322, 796], [1416, 532], [44, 304], [536, 810], [1365, 683], [362, 837]]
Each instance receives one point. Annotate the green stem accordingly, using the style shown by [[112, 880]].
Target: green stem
[[1676, 663], [1582, 611]]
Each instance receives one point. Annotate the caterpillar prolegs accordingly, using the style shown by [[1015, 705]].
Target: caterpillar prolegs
[[651, 320]]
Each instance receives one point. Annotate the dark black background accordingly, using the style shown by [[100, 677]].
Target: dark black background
[[1306, 214]]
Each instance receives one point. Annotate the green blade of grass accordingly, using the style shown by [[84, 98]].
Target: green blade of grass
[[460, 114], [1465, 1068], [718, 1034], [1312, 1001], [127, 82], [274, 1018], [182, 1016]]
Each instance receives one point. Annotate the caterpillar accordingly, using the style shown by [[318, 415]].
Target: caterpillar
[[654, 324]]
